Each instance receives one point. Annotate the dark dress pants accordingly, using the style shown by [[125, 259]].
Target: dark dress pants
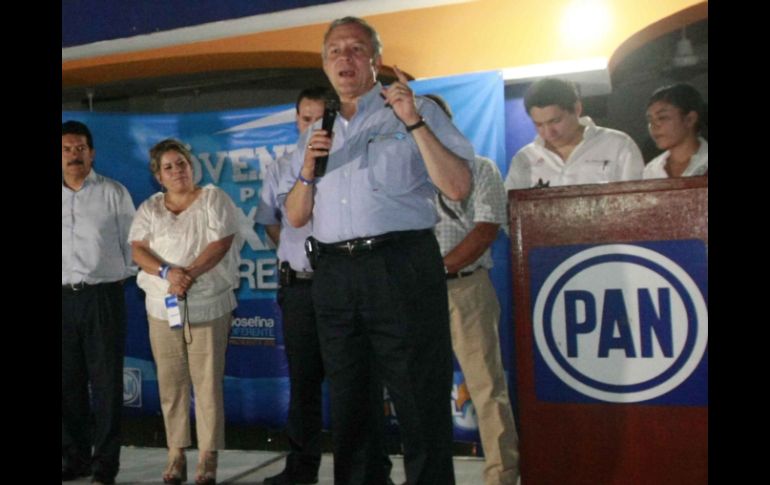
[[388, 308], [306, 374], [93, 343]]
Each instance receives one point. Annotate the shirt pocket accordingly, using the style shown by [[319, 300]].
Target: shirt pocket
[[393, 163], [595, 170]]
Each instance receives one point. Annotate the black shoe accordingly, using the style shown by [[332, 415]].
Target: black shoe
[[285, 478], [102, 478], [69, 474]]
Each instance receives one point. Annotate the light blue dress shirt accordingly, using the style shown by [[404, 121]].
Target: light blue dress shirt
[[291, 246], [94, 232], [376, 180]]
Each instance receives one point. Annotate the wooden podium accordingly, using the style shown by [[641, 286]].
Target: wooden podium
[[612, 379]]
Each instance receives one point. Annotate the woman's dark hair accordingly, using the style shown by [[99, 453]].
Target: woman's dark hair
[[685, 97]]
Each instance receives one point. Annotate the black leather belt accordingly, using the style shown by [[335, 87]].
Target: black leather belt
[[461, 274], [302, 275], [360, 245], [73, 288], [76, 287]]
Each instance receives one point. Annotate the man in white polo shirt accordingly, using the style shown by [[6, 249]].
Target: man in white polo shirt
[[569, 149]]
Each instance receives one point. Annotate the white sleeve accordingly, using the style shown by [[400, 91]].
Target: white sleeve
[[141, 226], [631, 163], [222, 214], [516, 178]]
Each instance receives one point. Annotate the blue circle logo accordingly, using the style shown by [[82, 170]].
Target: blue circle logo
[[132, 387], [620, 323]]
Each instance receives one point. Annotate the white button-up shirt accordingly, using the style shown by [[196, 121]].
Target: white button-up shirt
[[604, 155], [178, 240], [699, 163]]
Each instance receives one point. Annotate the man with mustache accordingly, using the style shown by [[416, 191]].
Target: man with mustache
[[96, 257]]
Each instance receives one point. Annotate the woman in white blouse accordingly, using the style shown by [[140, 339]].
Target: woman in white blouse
[[674, 117], [182, 239]]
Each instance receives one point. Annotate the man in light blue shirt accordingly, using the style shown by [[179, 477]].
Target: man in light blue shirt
[[379, 288], [303, 352], [96, 257]]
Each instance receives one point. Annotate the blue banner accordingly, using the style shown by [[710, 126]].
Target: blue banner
[[231, 150]]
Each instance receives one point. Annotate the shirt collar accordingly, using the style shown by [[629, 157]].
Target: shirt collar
[[590, 127], [703, 148], [368, 102], [90, 178]]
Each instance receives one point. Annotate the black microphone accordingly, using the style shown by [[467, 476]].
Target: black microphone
[[330, 112]]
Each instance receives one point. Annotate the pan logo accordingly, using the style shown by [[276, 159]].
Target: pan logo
[[132, 387], [620, 323]]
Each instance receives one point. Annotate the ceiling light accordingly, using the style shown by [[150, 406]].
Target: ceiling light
[[684, 55]]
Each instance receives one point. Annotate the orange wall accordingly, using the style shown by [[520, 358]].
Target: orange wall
[[438, 41]]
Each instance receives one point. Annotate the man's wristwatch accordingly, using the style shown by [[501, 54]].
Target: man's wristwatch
[[413, 127]]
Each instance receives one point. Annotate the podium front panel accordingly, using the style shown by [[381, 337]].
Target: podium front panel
[[610, 289]]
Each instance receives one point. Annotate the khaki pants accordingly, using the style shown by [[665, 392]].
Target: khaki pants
[[474, 314], [201, 363]]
